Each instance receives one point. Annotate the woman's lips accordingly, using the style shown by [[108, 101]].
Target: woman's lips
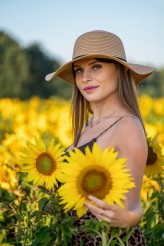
[[89, 88]]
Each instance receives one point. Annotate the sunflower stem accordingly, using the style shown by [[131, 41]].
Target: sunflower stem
[[104, 238], [110, 240], [128, 236], [162, 196], [121, 243]]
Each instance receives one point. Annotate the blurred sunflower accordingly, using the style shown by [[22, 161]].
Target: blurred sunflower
[[96, 173], [148, 187], [155, 159], [42, 163], [8, 179]]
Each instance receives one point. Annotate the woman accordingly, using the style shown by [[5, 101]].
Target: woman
[[104, 85]]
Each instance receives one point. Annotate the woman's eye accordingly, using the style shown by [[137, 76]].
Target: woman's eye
[[78, 71], [96, 66]]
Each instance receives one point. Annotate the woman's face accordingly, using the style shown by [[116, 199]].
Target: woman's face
[[95, 79]]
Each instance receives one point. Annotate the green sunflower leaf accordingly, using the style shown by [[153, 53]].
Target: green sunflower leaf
[[42, 203]]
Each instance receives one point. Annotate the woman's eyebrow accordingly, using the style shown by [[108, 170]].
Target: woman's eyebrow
[[91, 63], [76, 66]]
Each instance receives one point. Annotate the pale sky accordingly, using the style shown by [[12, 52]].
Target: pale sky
[[56, 24]]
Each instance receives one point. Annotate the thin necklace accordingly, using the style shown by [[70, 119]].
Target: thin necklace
[[92, 124]]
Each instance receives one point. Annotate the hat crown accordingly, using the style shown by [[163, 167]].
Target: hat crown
[[100, 43]]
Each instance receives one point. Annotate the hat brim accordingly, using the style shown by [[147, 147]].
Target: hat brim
[[139, 72]]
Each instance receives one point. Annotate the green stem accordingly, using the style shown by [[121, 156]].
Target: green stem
[[129, 234], [104, 238], [120, 241], [160, 208], [110, 240]]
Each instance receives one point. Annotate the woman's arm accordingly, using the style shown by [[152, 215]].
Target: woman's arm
[[130, 143]]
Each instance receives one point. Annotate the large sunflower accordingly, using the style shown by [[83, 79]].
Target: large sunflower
[[155, 159], [96, 173], [42, 163]]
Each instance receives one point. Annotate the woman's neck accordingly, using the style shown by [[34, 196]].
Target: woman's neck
[[110, 107]]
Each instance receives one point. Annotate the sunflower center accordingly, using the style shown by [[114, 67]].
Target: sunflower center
[[152, 157], [45, 164], [94, 180]]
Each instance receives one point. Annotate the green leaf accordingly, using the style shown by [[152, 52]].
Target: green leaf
[[113, 243], [102, 225], [114, 231], [35, 213], [42, 203], [68, 231], [1, 218], [44, 236], [158, 231]]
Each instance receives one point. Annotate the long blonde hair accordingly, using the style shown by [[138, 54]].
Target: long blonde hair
[[80, 107]]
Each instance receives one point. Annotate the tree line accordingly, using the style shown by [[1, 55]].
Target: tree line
[[23, 70]]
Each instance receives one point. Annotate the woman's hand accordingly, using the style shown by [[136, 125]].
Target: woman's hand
[[114, 214]]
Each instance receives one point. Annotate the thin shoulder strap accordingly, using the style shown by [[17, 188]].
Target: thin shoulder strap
[[108, 128]]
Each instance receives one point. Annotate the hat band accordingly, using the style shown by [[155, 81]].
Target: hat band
[[114, 56]]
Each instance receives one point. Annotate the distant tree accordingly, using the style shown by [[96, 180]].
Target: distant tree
[[13, 67], [22, 71], [40, 65], [154, 85], [161, 82]]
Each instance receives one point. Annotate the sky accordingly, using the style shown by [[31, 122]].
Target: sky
[[55, 25]]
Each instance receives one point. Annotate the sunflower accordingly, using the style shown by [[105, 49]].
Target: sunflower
[[8, 180], [148, 187], [42, 163], [155, 159], [96, 173]]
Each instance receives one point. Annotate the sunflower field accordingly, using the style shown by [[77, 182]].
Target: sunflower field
[[29, 212]]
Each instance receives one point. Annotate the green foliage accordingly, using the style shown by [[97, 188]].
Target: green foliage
[[38, 220], [153, 218], [47, 225], [44, 236], [110, 236], [23, 71], [13, 67], [39, 66], [154, 85]]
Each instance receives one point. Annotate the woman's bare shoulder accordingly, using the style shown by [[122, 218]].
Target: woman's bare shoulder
[[130, 134], [131, 125]]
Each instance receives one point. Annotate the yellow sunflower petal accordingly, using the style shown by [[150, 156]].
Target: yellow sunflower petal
[[80, 203], [33, 147], [81, 211], [96, 151], [40, 143], [51, 146], [27, 159], [29, 153]]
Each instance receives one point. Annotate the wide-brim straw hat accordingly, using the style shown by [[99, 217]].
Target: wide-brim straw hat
[[100, 44]]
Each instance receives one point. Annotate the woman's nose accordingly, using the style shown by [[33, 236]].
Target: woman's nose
[[86, 76]]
